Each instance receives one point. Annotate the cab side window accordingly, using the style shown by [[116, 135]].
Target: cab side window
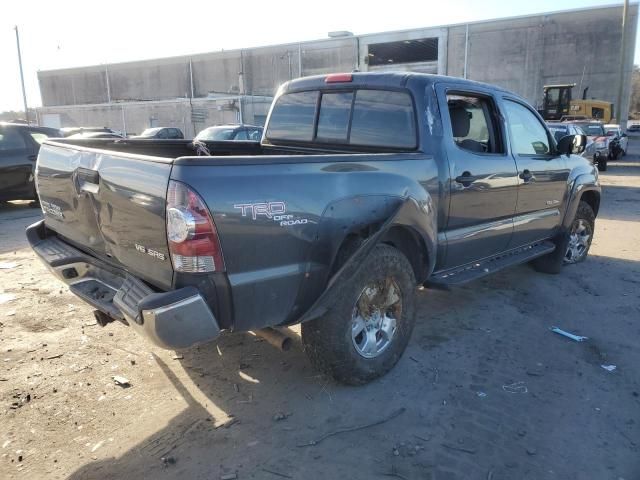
[[241, 135], [528, 136], [11, 139], [471, 123]]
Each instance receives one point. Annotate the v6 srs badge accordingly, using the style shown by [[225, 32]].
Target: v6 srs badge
[[276, 211]]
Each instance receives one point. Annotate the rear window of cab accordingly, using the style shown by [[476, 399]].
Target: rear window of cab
[[363, 117]]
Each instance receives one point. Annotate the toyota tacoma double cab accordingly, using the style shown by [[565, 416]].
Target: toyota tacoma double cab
[[364, 187]]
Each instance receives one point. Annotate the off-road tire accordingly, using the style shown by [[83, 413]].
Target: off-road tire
[[554, 261], [328, 341]]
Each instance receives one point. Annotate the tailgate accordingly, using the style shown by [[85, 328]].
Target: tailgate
[[110, 204]]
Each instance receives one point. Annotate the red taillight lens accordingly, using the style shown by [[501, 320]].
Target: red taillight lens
[[338, 78], [192, 236]]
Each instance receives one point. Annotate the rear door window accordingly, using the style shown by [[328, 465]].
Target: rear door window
[[383, 119], [293, 117]]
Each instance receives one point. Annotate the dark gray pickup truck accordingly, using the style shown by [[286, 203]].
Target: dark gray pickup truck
[[364, 187]]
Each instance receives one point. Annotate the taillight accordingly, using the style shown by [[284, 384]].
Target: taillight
[[338, 78], [192, 236]]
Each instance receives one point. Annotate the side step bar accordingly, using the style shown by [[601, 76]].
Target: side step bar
[[473, 271]]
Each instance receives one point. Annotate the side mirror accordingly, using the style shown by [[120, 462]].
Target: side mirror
[[572, 144]]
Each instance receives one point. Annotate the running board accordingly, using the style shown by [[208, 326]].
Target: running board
[[473, 271]]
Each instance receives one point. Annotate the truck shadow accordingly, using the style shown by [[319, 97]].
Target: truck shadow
[[247, 406]]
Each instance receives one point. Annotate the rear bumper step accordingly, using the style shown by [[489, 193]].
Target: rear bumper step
[[172, 320]]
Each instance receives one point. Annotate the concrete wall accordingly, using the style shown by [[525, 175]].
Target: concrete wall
[[521, 54], [524, 54]]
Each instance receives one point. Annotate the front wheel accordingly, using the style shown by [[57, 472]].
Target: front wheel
[[602, 164], [366, 331], [572, 246]]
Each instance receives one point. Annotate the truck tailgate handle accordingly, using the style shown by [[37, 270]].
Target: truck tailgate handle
[[88, 180]]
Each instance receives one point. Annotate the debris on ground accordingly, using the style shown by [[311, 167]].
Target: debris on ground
[[406, 449], [8, 265], [228, 476], [576, 338], [354, 429], [281, 416], [166, 461], [516, 387], [277, 474], [459, 448], [481, 394], [122, 381], [177, 356], [609, 368]]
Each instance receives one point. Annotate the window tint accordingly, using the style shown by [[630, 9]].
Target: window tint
[[11, 139], [333, 122], [471, 123], [528, 136], [255, 135], [384, 119], [241, 135], [293, 116]]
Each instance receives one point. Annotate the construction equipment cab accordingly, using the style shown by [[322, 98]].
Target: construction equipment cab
[[558, 104]]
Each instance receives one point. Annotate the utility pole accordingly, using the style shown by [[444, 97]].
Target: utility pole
[[623, 56], [24, 92]]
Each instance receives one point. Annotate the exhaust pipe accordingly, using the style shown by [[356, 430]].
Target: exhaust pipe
[[275, 338]]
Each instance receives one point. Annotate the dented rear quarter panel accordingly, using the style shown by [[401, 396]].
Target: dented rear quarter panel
[[278, 263]]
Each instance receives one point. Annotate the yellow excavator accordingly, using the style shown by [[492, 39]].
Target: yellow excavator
[[558, 105]]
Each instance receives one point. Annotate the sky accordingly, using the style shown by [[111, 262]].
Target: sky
[[72, 33]]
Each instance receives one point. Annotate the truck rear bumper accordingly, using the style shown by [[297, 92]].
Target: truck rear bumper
[[172, 320]]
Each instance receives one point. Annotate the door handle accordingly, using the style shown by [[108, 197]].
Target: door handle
[[527, 176], [465, 179]]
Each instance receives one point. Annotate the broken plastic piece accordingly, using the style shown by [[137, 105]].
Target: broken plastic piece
[[122, 381], [576, 338], [609, 368]]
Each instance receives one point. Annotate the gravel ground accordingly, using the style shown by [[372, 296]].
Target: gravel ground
[[484, 391]]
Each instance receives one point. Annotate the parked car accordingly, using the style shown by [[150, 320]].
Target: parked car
[[633, 127], [69, 131], [161, 132], [19, 146], [231, 132], [363, 187], [604, 145], [96, 135], [560, 130], [620, 140]]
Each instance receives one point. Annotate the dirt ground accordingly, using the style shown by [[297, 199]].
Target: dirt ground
[[484, 391]]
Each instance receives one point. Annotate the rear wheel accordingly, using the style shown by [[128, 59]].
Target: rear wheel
[[368, 328]]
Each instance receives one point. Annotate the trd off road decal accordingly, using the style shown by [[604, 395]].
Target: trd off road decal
[[276, 211]]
